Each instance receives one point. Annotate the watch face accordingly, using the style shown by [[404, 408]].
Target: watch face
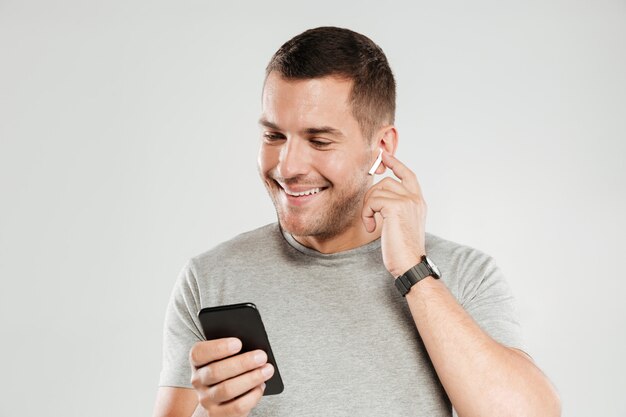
[[433, 266]]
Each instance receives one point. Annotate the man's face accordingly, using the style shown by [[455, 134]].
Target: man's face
[[313, 158]]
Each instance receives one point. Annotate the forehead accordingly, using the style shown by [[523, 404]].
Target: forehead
[[310, 101]]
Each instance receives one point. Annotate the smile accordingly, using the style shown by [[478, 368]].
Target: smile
[[303, 193], [299, 195]]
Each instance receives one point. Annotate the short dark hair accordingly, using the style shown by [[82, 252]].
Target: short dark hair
[[333, 51]]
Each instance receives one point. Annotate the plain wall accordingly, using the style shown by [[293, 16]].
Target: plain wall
[[128, 143]]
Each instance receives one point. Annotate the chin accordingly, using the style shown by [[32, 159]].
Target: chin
[[312, 228], [296, 227]]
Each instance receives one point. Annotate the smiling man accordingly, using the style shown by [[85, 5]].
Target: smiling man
[[314, 160], [367, 313]]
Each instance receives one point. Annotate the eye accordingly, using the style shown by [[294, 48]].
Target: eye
[[319, 143], [273, 137]]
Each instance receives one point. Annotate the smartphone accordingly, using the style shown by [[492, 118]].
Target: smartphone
[[242, 321]]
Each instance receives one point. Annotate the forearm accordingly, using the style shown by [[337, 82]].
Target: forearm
[[481, 377]]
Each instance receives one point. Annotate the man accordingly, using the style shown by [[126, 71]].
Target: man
[[347, 340]]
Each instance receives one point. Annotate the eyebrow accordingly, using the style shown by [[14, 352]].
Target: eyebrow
[[321, 130]]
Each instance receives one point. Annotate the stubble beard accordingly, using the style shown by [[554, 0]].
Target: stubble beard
[[344, 211]]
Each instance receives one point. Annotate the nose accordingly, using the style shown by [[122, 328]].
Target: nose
[[294, 159]]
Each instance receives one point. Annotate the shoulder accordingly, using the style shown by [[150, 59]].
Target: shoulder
[[253, 243], [460, 265], [438, 247], [475, 280]]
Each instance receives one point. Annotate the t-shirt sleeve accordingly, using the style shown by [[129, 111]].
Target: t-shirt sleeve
[[489, 300], [181, 330]]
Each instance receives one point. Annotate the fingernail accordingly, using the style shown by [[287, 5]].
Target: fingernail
[[263, 386], [260, 357], [267, 370]]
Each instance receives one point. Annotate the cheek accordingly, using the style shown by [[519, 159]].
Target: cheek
[[267, 159], [338, 167]]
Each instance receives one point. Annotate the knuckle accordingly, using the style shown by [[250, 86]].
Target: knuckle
[[208, 374], [417, 201], [205, 375], [193, 354], [240, 406], [206, 403], [195, 380], [213, 393], [224, 390], [211, 411], [409, 204], [202, 398]]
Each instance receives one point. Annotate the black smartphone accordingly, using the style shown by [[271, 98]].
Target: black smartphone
[[242, 321]]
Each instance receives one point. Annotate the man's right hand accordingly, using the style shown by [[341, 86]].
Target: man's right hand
[[226, 385]]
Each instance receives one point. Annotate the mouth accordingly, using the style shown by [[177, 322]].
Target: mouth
[[299, 195], [302, 193]]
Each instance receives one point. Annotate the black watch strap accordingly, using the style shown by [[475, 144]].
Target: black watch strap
[[415, 274]]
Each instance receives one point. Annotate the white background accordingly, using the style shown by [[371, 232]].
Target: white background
[[128, 145]]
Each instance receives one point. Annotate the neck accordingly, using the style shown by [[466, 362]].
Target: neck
[[351, 238]]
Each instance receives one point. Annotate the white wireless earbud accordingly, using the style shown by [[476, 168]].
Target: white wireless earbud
[[377, 162]]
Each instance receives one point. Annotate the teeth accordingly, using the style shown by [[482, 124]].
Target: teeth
[[307, 192]]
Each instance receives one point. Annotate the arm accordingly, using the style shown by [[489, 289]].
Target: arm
[[176, 402], [480, 376], [225, 382], [224, 385]]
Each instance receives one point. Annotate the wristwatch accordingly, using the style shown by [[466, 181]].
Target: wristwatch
[[417, 273]]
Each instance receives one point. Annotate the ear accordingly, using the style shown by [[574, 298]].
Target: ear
[[387, 139]]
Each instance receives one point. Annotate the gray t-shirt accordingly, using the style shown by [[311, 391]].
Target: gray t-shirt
[[342, 336]]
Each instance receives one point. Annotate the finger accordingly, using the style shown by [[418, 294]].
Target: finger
[[391, 184], [376, 192], [240, 406], [234, 387], [224, 369], [392, 195], [408, 177], [208, 351], [384, 202], [373, 206], [369, 222]]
